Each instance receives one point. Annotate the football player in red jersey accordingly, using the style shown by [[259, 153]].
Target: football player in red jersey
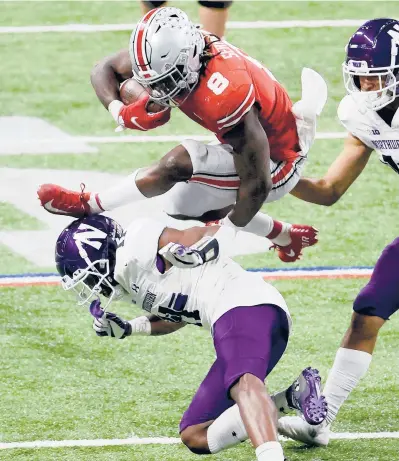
[[263, 144]]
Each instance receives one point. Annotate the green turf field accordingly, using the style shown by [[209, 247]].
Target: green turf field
[[58, 380]]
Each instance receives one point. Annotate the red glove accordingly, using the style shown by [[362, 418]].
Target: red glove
[[136, 117]]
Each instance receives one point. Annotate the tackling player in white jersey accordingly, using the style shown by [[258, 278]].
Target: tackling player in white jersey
[[370, 114], [184, 277]]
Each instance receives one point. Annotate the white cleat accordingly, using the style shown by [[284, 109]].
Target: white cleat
[[297, 428]]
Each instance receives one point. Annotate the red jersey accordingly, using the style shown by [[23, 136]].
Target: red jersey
[[230, 85]]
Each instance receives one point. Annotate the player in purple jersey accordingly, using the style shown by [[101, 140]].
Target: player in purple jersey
[[370, 114], [182, 277]]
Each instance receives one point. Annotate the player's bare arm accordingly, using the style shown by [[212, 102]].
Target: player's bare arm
[[137, 109], [107, 75], [251, 159], [186, 237], [370, 77], [194, 246], [339, 177], [138, 115], [111, 325], [160, 327]]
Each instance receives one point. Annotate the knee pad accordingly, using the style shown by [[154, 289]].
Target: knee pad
[[152, 4], [217, 5]]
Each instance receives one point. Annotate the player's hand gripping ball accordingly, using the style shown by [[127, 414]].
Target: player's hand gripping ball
[[139, 111], [131, 91]]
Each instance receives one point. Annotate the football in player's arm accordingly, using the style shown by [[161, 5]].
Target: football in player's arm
[[231, 94], [369, 112], [106, 77], [248, 138], [218, 86], [249, 319]]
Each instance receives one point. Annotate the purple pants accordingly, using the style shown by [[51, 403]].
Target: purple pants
[[380, 297], [247, 340]]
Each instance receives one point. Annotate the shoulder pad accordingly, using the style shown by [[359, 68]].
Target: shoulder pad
[[141, 241], [347, 108], [349, 114]]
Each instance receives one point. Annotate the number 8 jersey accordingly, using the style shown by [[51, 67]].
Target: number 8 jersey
[[198, 296], [230, 84]]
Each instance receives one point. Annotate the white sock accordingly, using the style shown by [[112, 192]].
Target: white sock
[[265, 226], [226, 431], [122, 194], [284, 237], [349, 367], [270, 451], [95, 204]]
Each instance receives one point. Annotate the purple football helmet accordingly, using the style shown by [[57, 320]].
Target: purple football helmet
[[85, 256], [373, 51]]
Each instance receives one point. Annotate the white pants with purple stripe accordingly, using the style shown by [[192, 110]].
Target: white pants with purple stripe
[[214, 183]]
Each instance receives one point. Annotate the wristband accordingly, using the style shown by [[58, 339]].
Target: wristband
[[141, 326], [114, 109]]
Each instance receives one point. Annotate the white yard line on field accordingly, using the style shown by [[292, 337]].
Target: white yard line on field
[[90, 443], [166, 441], [176, 138], [230, 25], [16, 145]]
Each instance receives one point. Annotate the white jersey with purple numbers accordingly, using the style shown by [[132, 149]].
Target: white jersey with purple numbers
[[371, 129], [198, 296]]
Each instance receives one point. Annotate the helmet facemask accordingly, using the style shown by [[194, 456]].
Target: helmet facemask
[[90, 283], [172, 88], [165, 50], [388, 84], [85, 257], [373, 51]]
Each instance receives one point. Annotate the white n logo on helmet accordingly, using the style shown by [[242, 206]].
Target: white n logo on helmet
[[90, 237], [394, 43]]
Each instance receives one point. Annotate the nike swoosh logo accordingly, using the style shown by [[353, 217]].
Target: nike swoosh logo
[[291, 253], [49, 207], [134, 121]]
